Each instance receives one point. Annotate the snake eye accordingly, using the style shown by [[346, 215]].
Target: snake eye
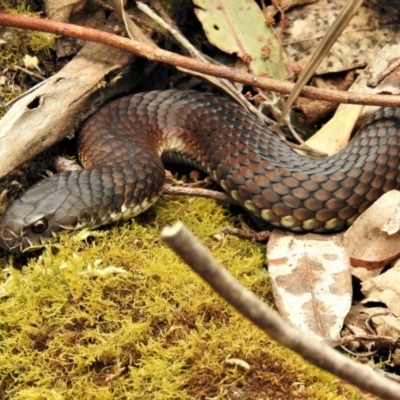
[[39, 226]]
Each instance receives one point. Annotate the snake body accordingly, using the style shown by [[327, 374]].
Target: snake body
[[122, 148]]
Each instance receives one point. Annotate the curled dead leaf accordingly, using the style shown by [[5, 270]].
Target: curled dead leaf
[[373, 240]]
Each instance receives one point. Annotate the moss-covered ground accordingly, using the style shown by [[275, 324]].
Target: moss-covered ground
[[119, 316]]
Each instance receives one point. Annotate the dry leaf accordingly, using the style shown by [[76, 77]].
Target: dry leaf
[[381, 76], [362, 274], [385, 289], [367, 241], [226, 24], [335, 134], [370, 29], [61, 10], [311, 281]]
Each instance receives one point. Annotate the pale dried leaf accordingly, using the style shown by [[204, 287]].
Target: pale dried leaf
[[366, 241], [381, 76], [335, 134], [363, 274], [385, 289], [369, 30], [226, 24], [31, 62], [311, 281], [61, 10]]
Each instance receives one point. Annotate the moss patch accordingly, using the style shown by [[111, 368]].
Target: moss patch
[[119, 316], [17, 43]]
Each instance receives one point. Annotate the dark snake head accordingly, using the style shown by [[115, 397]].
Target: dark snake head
[[38, 216]]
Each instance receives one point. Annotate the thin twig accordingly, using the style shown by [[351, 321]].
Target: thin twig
[[190, 191], [252, 236], [146, 51], [187, 246], [26, 71]]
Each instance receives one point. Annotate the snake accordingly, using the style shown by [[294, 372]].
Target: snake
[[124, 145]]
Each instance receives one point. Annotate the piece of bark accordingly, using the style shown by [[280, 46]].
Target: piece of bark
[[55, 108]]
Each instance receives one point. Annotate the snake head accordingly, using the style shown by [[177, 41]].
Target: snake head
[[37, 216]]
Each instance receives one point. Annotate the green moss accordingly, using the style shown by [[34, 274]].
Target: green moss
[[20, 41], [119, 316], [15, 44]]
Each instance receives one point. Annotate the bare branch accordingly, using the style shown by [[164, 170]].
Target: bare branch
[[185, 244]]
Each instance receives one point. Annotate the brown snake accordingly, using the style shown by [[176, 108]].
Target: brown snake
[[123, 145]]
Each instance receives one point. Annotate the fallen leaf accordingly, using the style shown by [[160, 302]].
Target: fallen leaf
[[367, 241], [380, 76], [311, 281], [362, 274], [372, 265], [384, 289], [226, 24], [335, 134], [61, 10], [369, 30]]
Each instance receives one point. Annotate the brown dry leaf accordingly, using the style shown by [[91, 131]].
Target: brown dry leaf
[[324, 46], [374, 238], [385, 289], [369, 30], [377, 323], [311, 281], [374, 264]]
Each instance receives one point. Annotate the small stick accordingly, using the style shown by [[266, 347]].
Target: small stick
[[198, 192]]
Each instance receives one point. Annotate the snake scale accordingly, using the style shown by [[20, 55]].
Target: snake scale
[[123, 146]]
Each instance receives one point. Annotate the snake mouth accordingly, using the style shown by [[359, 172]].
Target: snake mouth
[[11, 242]]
